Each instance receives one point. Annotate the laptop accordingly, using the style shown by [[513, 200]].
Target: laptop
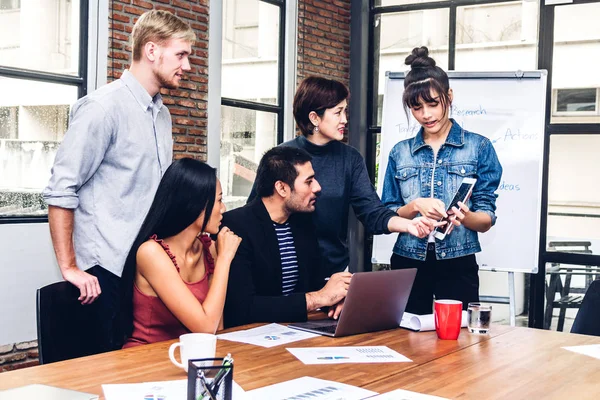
[[375, 302]]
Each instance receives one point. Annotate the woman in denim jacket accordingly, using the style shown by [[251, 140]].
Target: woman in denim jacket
[[422, 175]]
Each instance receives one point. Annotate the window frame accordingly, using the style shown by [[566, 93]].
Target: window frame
[[80, 81]]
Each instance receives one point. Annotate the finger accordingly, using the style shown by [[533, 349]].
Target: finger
[[440, 207], [97, 284], [463, 207], [338, 311], [83, 294], [330, 313], [90, 296], [455, 222], [459, 215]]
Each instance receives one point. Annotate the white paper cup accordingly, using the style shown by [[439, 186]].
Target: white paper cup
[[193, 346]]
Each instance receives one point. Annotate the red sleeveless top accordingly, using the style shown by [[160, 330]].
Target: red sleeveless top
[[152, 320]]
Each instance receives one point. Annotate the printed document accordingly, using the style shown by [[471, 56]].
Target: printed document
[[592, 350], [267, 335], [309, 388], [405, 395], [347, 354]]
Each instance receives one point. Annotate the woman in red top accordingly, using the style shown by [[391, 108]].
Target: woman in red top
[[174, 278]]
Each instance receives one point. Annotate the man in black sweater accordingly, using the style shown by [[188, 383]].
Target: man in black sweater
[[276, 275]]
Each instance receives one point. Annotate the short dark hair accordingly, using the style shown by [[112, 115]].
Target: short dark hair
[[279, 164], [424, 75], [316, 94]]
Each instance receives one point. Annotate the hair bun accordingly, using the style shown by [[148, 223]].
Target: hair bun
[[419, 58]]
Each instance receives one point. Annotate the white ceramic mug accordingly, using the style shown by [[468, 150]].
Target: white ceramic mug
[[193, 346]]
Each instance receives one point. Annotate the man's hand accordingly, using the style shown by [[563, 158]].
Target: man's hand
[[86, 283], [335, 289], [335, 311]]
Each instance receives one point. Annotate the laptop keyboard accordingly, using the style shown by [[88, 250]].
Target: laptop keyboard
[[326, 328]]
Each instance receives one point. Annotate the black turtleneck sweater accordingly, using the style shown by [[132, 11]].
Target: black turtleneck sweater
[[342, 174]]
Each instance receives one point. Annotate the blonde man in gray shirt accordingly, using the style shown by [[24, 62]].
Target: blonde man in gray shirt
[[106, 172]]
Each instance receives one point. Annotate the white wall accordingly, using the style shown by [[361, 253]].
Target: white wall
[[26, 263]]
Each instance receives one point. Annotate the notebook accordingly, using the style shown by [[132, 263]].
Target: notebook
[[37, 391]]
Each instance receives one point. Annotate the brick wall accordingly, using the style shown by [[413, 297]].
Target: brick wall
[[18, 355], [324, 39], [187, 104]]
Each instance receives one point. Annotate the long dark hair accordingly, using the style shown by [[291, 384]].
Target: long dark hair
[[186, 190]]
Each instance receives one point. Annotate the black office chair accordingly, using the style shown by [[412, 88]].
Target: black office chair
[[587, 321], [64, 326]]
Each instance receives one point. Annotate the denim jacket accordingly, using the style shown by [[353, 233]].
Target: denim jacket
[[412, 168]]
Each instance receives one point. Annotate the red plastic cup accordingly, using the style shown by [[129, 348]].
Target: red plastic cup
[[448, 315]]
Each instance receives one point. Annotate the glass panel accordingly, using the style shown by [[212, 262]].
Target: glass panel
[[576, 100], [576, 58], [566, 285], [33, 121], [384, 3], [40, 35], [398, 33], [250, 49], [573, 196], [497, 37], [245, 136]]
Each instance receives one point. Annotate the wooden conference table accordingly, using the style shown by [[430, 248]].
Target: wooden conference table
[[510, 363]]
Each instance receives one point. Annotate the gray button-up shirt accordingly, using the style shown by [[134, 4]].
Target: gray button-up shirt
[[108, 167]]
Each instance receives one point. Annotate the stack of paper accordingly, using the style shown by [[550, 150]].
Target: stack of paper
[[405, 395], [592, 350], [157, 390], [45, 392], [426, 322], [347, 354], [267, 336], [309, 388]]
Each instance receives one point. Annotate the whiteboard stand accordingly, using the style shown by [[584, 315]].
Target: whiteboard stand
[[510, 300]]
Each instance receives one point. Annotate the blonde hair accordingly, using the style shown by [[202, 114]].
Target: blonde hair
[[158, 26]]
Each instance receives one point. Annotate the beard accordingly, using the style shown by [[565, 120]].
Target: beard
[[165, 82], [293, 206]]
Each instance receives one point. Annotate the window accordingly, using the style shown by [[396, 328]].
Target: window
[[40, 54], [10, 5], [251, 90], [497, 37], [575, 101], [574, 64], [573, 198], [396, 34]]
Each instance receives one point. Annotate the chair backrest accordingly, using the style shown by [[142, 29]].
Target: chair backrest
[[587, 321], [63, 324]]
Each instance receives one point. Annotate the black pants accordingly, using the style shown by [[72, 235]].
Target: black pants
[[454, 279], [587, 321], [104, 310]]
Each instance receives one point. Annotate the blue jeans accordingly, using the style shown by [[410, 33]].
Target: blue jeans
[[105, 310]]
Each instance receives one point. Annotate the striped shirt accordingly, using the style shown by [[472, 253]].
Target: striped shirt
[[289, 261]]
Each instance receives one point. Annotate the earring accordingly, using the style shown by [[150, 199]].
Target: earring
[[316, 129]]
